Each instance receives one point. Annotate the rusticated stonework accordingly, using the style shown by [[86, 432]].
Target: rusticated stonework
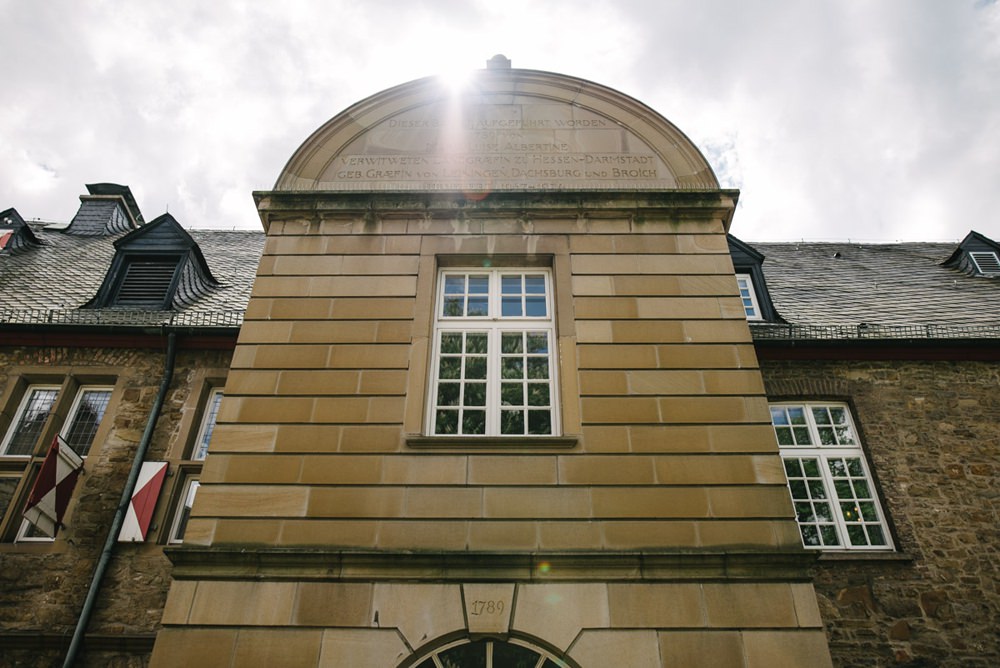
[[44, 584], [931, 434]]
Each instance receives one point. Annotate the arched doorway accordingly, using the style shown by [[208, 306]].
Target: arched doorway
[[486, 653]]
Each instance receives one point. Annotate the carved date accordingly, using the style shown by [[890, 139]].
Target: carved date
[[493, 607]]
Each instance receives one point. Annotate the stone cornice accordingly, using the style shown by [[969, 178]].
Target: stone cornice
[[593, 205], [194, 563]]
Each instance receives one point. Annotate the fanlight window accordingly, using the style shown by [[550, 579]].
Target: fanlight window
[[488, 653]]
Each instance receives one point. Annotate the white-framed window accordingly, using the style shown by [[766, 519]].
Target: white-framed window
[[835, 502], [200, 449], [183, 512], [494, 369], [749, 296], [29, 420], [27, 532]]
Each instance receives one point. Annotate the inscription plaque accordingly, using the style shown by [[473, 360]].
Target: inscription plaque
[[518, 145], [507, 130]]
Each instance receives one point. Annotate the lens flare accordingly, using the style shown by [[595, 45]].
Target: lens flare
[[454, 78]]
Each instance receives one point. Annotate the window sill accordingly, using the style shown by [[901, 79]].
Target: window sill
[[490, 442], [902, 557], [33, 546]]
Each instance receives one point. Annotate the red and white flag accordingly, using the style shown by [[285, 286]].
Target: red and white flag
[[140, 508], [53, 487]]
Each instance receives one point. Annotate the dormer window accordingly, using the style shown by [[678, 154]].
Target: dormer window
[[977, 255], [156, 267], [749, 296], [748, 264]]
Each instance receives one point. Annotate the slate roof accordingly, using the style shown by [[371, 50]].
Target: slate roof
[[851, 290], [49, 283], [820, 290]]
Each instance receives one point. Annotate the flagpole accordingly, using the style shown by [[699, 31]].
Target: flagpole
[[116, 525]]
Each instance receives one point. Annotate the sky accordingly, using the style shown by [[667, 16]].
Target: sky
[[836, 119]]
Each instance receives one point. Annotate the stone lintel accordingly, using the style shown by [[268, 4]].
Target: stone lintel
[[248, 563]]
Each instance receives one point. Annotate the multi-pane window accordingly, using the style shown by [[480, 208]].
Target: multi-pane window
[[207, 424], [490, 653], [188, 485], [78, 430], [22, 436], [835, 501], [494, 369], [749, 296], [183, 512], [85, 417]]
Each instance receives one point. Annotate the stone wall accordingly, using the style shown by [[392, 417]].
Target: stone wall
[[931, 433], [666, 441], [326, 474], [43, 585]]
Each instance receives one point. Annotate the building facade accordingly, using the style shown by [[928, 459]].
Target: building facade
[[505, 393]]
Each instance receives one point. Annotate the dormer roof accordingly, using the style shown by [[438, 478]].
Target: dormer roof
[[15, 234], [107, 210], [156, 267], [57, 283], [112, 189], [977, 255]]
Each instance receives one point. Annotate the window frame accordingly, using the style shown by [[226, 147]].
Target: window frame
[[488, 645], [25, 526], [751, 289], [824, 454], [207, 423], [19, 416], [74, 409], [182, 511], [495, 325]]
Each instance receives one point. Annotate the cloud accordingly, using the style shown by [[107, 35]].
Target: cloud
[[840, 110], [836, 119]]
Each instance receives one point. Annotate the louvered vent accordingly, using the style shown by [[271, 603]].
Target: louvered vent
[[146, 282], [986, 263]]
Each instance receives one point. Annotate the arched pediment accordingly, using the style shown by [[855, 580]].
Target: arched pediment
[[504, 130]]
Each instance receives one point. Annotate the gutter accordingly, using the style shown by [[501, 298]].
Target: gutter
[[116, 524], [109, 336], [955, 350]]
